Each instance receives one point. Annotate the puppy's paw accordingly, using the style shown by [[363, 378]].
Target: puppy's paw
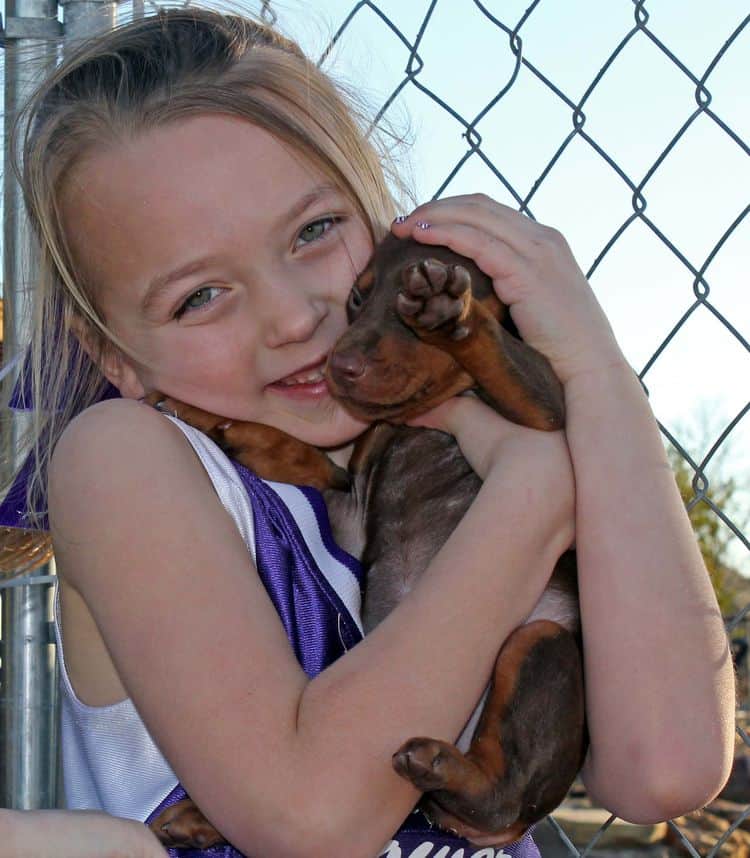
[[183, 826], [429, 764], [435, 298]]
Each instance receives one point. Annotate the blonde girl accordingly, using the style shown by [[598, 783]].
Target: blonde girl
[[203, 199]]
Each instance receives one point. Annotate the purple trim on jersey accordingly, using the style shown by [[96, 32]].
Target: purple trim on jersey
[[315, 499], [416, 834], [318, 624]]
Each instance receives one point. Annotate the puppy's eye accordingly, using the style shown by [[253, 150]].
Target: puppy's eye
[[355, 301]]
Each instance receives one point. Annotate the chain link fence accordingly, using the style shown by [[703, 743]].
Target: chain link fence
[[625, 125]]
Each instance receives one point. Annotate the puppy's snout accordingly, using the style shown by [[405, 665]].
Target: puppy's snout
[[347, 364]]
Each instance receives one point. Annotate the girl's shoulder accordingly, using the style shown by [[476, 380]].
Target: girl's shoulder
[[103, 426], [115, 455], [116, 435]]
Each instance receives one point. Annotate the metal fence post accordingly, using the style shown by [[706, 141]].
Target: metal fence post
[[28, 699], [28, 683], [85, 18], [28, 692]]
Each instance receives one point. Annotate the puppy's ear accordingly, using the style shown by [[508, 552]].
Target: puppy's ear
[[119, 369]]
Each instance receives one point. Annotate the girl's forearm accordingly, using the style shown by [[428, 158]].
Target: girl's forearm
[[439, 645], [74, 834], [660, 691]]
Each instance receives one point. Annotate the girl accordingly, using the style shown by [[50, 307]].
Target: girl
[[204, 199]]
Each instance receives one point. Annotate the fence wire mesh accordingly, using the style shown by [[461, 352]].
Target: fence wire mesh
[[625, 125], [477, 81]]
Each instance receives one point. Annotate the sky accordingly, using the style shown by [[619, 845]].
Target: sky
[[699, 383]]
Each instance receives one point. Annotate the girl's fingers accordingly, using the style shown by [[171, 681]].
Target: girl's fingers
[[533, 272], [507, 268], [475, 206], [477, 210]]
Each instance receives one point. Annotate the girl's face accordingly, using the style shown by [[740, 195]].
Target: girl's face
[[224, 261]]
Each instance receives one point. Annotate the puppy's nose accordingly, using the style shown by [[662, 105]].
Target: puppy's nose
[[347, 364]]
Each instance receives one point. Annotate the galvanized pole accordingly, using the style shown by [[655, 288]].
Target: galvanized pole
[[28, 683], [85, 18], [28, 689], [28, 698]]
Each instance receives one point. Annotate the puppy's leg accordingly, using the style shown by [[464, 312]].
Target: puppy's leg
[[526, 751], [265, 450], [436, 301]]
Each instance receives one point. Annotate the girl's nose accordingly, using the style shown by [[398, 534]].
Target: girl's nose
[[292, 316]]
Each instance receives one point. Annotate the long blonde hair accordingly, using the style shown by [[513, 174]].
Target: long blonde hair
[[159, 69]]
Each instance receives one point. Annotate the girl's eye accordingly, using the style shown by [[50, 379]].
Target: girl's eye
[[316, 230], [200, 298]]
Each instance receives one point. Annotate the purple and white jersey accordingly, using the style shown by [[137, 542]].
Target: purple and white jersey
[[109, 760]]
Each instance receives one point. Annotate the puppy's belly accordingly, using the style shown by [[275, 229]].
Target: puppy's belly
[[423, 488], [417, 493]]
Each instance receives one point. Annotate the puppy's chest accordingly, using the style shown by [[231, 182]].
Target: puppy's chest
[[404, 505]]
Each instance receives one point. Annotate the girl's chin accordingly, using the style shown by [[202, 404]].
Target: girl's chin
[[328, 425], [329, 437], [332, 428]]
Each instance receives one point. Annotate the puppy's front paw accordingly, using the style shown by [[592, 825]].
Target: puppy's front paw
[[435, 297]]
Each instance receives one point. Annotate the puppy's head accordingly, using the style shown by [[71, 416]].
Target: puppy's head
[[380, 369]]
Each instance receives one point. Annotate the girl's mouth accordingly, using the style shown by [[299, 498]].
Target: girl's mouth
[[310, 381]]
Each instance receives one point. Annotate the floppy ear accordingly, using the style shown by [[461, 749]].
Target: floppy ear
[[115, 366]]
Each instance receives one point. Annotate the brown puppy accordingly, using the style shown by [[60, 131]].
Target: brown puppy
[[426, 325]]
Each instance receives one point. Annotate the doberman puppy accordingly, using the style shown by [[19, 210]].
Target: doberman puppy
[[425, 326]]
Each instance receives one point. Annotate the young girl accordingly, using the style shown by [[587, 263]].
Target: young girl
[[204, 200]]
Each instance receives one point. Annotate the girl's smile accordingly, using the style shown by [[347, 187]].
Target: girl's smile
[[308, 382], [237, 291]]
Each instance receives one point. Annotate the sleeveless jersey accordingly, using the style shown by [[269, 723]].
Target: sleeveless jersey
[[111, 763]]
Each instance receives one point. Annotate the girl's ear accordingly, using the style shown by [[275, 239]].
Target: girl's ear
[[119, 370], [115, 366]]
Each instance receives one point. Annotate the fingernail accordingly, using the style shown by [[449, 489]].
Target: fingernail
[[421, 224], [400, 219]]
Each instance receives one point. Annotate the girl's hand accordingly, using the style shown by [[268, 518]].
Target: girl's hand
[[495, 447], [74, 834], [534, 273]]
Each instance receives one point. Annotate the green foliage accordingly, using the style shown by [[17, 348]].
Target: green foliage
[[713, 535]]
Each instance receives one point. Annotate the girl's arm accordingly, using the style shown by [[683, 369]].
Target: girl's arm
[[284, 766], [659, 679], [658, 667], [74, 834]]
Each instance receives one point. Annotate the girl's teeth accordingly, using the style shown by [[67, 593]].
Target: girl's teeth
[[306, 378]]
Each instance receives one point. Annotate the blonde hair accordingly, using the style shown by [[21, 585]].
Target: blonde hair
[[160, 69]]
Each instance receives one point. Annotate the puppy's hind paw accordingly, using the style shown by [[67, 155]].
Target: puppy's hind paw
[[429, 764]]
